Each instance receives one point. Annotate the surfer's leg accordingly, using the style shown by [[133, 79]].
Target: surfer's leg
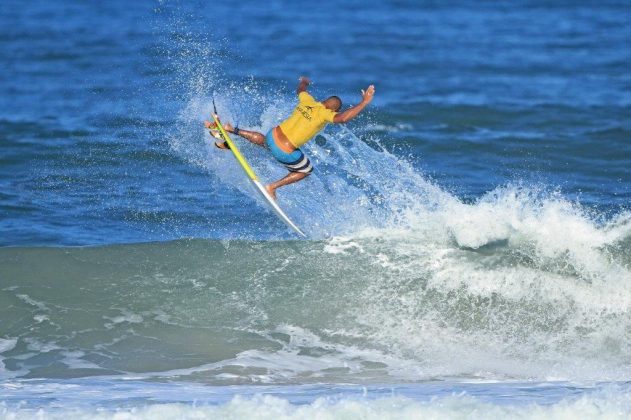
[[299, 168], [291, 178], [251, 136]]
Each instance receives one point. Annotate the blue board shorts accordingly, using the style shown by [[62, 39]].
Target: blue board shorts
[[295, 161]]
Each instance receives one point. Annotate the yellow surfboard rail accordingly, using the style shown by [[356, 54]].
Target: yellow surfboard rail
[[235, 150]]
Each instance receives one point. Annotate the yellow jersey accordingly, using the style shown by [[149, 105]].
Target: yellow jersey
[[309, 117]]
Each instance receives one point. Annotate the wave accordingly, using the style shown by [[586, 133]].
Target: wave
[[502, 292], [403, 279], [400, 281]]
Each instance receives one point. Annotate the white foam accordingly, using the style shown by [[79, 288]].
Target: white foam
[[294, 362], [74, 360], [27, 299], [392, 128], [40, 346], [7, 344], [39, 318], [546, 254], [126, 316], [340, 245], [607, 406]]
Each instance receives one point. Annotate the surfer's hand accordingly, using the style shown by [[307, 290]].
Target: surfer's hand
[[368, 94], [208, 124]]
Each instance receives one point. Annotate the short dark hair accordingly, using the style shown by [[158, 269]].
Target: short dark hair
[[337, 98]]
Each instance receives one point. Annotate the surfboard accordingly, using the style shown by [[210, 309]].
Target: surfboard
[[252, 176]]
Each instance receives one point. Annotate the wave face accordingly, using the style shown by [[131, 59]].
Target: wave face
[[506, 290]]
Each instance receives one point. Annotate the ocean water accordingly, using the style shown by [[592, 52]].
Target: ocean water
[[469, 236]]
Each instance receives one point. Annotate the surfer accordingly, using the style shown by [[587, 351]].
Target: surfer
[[307, 119]]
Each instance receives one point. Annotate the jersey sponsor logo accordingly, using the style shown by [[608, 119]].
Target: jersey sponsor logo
[[305, 113]]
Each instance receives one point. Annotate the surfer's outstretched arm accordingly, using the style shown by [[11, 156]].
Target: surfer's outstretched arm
[[349, 114]]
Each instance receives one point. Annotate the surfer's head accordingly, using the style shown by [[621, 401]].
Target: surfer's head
[[334, 103]]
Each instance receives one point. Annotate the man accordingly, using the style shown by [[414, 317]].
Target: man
[[307, 119]]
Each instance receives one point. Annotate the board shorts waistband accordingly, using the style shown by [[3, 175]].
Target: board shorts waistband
[[295, 161]]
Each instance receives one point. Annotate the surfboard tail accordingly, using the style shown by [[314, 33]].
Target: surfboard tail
[[279, 212]]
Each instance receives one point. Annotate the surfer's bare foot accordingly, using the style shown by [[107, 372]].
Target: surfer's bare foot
[[271, 191]]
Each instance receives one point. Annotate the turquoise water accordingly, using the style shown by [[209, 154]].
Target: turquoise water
[[469, 236]]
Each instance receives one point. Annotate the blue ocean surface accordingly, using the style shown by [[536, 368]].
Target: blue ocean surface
[[468, 250]]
